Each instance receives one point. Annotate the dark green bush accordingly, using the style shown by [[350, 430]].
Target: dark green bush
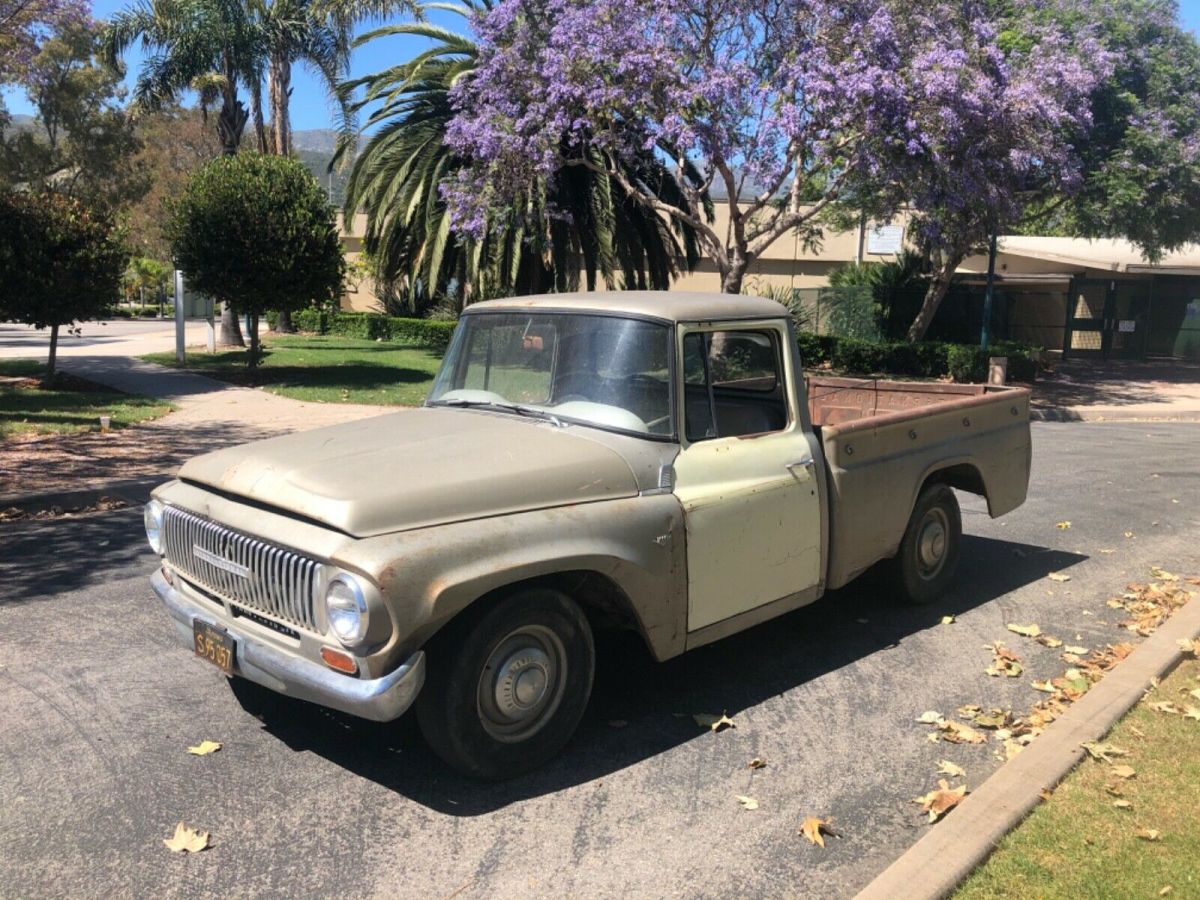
[[931, 359], [431, 333]]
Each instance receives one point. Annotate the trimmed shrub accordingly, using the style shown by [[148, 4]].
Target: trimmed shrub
[[431, 333], [930, 359]]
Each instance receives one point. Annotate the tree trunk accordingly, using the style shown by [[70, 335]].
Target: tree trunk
[[52, 361], [283, 324], [731, 281], [256, 116], [232, 120], [253, 359], [231, 331], [938, 285], [279, 92]]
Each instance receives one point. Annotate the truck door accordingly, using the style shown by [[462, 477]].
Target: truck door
[[745, 475]]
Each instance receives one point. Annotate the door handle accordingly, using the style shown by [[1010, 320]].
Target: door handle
[[806, 463]]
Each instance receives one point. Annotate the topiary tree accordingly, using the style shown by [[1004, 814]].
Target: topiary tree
[[257, 232], [61, 262]]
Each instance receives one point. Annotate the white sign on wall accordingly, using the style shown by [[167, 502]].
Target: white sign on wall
[[885, 240]]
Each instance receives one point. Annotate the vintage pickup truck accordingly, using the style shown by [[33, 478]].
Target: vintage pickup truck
[[650, 461]]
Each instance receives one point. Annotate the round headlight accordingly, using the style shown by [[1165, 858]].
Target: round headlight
[[152, 515], [346, 609]]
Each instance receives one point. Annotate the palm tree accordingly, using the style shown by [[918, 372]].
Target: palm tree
[[579, 226], [212, 46]]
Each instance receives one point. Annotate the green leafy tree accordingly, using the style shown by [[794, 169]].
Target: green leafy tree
[[255, 233], [579, 226], [80, 142], [60, 262], [1142, 163]]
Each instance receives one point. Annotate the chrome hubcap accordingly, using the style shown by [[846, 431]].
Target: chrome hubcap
[[931, 545], [522, 683]]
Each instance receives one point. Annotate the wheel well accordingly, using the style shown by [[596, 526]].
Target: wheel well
[[963, 476], [603, 601]]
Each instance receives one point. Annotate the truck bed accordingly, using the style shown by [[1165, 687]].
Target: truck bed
[[883, 440]]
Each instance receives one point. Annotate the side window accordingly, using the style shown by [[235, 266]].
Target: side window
[[733, 384]]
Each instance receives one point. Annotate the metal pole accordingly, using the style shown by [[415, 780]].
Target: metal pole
[[987, 294], [862, 237], [179, 329]]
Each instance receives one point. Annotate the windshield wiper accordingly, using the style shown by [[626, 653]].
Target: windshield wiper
[[529, 411]]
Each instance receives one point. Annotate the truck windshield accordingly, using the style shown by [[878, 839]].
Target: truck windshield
[[602, 371]]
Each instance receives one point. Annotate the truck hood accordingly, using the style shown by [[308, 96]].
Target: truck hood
[[416, 469]]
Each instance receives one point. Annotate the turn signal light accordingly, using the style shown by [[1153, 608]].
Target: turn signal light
[[336, 659]]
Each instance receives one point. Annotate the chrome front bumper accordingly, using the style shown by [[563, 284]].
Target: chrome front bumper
[[380, 699]]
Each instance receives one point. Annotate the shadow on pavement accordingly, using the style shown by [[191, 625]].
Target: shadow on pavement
[[1117, 383], [657, 700]]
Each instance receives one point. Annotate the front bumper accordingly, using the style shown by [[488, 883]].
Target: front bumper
[[379, 699]]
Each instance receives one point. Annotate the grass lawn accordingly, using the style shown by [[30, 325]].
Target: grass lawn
[[326, 369], [71, 406], [1078, 844]]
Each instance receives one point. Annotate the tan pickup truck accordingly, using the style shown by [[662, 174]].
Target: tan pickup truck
[[650, 461]]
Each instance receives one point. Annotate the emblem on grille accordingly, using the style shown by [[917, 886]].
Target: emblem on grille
[[221, 562]]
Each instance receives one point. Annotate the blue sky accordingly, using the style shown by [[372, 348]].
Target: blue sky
[[310, 107]]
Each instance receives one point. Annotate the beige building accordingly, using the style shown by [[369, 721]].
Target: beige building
[[1078, 296]]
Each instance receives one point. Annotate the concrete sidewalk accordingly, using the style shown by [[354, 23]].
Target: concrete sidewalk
[[76, 469], [1119, 390]]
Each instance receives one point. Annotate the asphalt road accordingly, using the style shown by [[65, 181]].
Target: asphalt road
[[98, 704]]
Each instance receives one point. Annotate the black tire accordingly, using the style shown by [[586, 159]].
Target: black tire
[[505, 687], [928, 556]]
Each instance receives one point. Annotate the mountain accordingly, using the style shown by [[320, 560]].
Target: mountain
[[321, 140]]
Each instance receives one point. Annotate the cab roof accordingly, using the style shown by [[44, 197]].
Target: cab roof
[[671, 306]]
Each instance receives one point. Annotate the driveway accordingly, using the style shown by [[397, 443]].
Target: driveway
[[99, 704]]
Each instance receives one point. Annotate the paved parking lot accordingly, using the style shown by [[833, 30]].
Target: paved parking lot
[[99, 703]]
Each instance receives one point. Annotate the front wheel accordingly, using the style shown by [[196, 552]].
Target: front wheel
[[505, 690], [928, 553]]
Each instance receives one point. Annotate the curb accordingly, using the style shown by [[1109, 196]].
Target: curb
[[1083, 414], [936, 864], [133, 491]]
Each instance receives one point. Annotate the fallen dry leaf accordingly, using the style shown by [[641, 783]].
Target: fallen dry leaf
[[1192, 646], [945, 767], [1059, 576], [815, 829], [1075, 649], [1025, 630], [957, 733], [1192, 712], [1164, 706], [1129, 534], [714, 723], [947, 620], [204, 748], [939, 802], [929, 717], [1122, 804], [1044, 686], [1124, 772], [1046, 641], [1063, 526], [1103, 752], [757, 763], [1148, 834], [747, 802], [1045, 794], [1162, 574], [186, 840]]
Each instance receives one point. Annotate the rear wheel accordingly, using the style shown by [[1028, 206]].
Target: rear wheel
[[505, 690], [928, 554]]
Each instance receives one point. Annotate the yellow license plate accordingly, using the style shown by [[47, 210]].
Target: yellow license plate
[[214, 645]]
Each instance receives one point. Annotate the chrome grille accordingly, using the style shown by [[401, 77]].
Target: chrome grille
[[250, 572]]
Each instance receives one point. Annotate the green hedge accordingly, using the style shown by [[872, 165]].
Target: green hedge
[[431, 333], [930, 359]]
